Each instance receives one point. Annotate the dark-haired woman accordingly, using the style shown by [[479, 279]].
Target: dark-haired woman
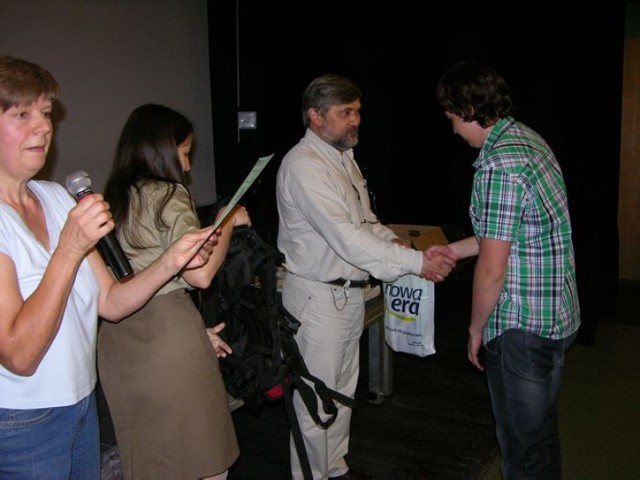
[[159, 367]]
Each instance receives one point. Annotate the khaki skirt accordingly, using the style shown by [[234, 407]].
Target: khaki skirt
[[165, 393]]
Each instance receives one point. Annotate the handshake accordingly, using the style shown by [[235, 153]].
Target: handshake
[[437, 261]]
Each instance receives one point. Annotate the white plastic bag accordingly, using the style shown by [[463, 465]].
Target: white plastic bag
[[408, 315]]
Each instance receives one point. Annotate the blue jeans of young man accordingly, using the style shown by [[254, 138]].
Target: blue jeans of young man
[[51, 443], [524, 373]]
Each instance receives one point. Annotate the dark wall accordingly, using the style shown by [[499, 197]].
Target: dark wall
[[564, 67]]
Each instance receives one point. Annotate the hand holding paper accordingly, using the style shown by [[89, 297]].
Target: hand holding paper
[[248, 181], [253, 174]]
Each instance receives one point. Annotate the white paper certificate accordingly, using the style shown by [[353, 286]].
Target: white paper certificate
[[253, 174]]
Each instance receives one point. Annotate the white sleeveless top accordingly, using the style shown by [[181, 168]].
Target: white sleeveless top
[[67, 373]]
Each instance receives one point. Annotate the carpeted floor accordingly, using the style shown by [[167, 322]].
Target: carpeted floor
[[599, 415]]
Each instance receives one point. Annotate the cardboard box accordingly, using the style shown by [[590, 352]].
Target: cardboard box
[[420, 237]]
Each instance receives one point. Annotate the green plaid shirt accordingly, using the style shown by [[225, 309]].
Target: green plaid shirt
[[519, 196]]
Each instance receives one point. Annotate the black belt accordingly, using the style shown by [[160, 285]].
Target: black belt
[[341, 282]]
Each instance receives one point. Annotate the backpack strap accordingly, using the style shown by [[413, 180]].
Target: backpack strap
[[298, 373], [295, 430]]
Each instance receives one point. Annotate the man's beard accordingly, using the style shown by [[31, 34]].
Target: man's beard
[[346, 141]]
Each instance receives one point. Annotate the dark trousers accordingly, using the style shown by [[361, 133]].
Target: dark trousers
[[524, 374]]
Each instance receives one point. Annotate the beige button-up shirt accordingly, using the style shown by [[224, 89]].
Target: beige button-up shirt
[[326, 228]]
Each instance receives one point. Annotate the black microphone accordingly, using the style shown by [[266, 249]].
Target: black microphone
[[79, 184]]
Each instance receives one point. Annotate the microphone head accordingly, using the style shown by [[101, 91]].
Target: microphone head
[[78, 182]]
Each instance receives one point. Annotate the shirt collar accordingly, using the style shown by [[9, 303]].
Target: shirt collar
[[496, 132], [324, 147]]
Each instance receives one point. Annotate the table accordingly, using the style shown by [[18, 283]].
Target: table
[[380, 354]]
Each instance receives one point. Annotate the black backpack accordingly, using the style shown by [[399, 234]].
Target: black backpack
[[245, 296], [265, 364]]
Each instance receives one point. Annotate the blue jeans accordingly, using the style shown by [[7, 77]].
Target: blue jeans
[[51, 443], [524, 373]]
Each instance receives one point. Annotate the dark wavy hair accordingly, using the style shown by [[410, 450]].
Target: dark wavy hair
[[474, 92], [147, 151]]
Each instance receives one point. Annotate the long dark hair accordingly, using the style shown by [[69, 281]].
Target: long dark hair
[[147, 151]]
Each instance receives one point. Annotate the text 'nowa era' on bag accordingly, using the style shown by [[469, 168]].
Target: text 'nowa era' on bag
[[408, 315]]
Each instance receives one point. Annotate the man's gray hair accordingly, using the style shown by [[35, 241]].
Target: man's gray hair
[[326, 91]]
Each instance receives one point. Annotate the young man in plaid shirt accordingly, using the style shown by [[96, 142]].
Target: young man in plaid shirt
[[525, 305]]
